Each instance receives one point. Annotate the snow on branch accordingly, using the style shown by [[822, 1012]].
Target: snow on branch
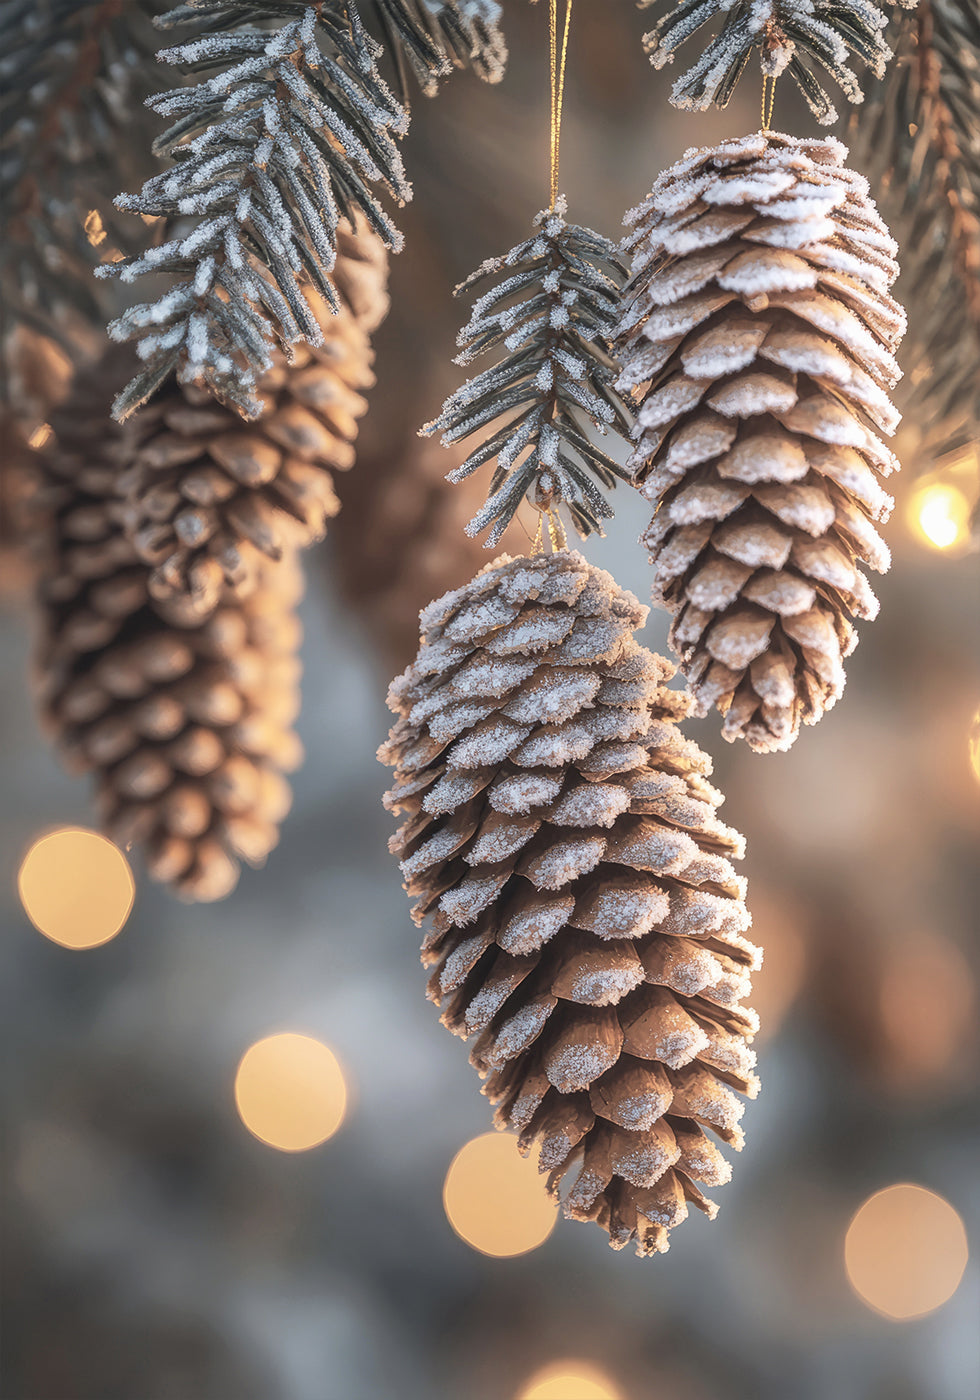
[[919, 140], [802, 37], [283, 135], [551, 310], [429, 38]]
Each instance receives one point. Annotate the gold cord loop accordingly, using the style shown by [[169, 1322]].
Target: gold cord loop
[[768, 100], [558, 62]]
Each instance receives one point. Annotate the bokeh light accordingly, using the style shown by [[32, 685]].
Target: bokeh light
[[569, 1380], [76, 887], [40, 437], [495, 1199], [905, 1251], [777, 926], [973, 746], [927, 1005], [290, 1092], [940, 514], [94, 228]]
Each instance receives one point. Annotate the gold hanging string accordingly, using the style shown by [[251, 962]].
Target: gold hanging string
[[556, 532], [558, 63], [768, 100], [557, 536]]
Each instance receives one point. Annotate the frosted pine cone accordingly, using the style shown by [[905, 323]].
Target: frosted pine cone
[[760, 333], [584, 920], [187, 732], [210, 495]]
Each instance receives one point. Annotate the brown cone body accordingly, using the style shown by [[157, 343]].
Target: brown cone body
[[187, 731], [210, 496], [760, 333], [585, 923]]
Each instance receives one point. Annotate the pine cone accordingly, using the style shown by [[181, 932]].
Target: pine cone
[[585, 921], [188, 732], [759, 320], [210, 495]]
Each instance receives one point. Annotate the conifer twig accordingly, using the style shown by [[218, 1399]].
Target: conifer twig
[[283, 135], [796, 36]]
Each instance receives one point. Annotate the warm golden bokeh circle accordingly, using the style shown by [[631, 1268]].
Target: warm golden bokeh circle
[[290, 1092], [569, 1380], [76, 887], [905, 1251], [495, 1199], [939, 512]]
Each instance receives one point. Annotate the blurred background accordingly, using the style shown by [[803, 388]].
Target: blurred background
[[243, 1161]]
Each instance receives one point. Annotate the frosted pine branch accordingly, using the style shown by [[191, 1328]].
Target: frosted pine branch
[[284, 135], [73, 75], [801, 37], [919, 139], [427, 39], [551, 311]]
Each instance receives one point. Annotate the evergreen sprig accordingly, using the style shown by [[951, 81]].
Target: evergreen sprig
[[285, 133], [919, 139], [798, 36], [552, 310], [427, 39], [73, 76]]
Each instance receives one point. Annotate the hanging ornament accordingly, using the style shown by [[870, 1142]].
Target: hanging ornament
[[551, 308], [759, 335], [561, 844], [584, 920], [186, 731], [211, 497]]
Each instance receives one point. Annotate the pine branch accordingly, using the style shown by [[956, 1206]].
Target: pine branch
[[552, 312], [920, 140], [73, 76], [427, 39], [798, 36], [282, 137]]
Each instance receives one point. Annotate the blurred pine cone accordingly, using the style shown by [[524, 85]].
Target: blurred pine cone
[[187, 732], [586, 923], [760, 330], [209, 496], [403, 540]]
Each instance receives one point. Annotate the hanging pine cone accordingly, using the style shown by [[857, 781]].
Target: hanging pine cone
[[585, 922], [760, 331], [187, 732], [209, 496]]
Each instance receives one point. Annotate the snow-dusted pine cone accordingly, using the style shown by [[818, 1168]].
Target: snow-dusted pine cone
[[584, 920], [209, 495], [188, 732], [760, 333]]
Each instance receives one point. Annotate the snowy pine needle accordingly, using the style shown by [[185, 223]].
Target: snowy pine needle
[[797, 36], [919, 141], [280, 138], [551, 310], [427, 39], [73, 75]]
